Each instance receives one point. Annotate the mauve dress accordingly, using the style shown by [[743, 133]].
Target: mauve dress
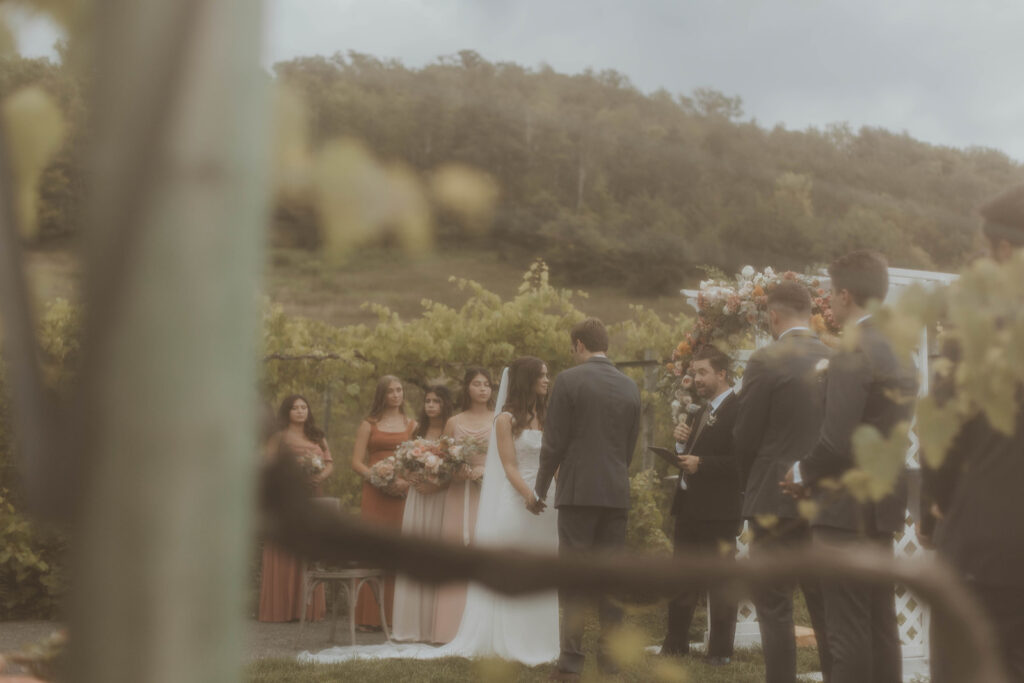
[[413, 618], [281, 581], [380, 508], [462, 497]]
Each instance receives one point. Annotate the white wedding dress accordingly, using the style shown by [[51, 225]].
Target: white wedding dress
[[523, 628]]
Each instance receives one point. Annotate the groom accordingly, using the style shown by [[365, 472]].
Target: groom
[[590, 432]]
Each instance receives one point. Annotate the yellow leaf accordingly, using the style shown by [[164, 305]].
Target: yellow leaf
[[494, 669], [936, 427], [807, 509], [469, 193], [292, 157], [670, 672], [626, 646], [8, 46], [34, 131], [879, 461]]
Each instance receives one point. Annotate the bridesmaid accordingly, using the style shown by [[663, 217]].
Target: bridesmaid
[[462, 498], [379, 434], [414, 602], [281, 583]]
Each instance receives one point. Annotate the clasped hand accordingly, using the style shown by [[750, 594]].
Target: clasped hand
[[791, 488], [535, 504]]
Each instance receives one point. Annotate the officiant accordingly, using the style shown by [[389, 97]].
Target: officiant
[[707, 503]]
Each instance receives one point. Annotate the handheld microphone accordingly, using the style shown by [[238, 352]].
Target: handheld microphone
[[691, 413]]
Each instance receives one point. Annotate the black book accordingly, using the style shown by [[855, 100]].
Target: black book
[[669, 456]]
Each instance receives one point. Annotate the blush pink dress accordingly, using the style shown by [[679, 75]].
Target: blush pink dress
[[458, 522]]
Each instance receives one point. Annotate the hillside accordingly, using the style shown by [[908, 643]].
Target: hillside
[[306, 285]]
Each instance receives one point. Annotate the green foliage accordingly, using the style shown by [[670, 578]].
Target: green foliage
[[31, 582], [647, 498]]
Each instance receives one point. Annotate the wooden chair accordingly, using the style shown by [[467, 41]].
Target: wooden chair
[[349, 579]]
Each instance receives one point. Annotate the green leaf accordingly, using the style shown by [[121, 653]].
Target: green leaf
[[879, 461]]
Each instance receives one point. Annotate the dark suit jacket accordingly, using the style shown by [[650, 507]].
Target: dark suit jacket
[[779, 419], [978, 488], [866, 385], [713, 492], [590, 432]]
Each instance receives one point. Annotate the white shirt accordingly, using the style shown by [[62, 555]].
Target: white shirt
[[715, 403]]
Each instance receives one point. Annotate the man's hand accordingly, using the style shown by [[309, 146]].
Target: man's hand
[[791, 488], [535, 505], [689, 463], [682, 432]]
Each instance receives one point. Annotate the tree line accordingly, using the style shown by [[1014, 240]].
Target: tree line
[[605, 182]]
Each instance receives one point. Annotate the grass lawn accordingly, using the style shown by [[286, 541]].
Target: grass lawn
[[646, 627]]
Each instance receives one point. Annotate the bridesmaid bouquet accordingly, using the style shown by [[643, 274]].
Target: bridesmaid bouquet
[[384, 476], [435, 461], [467, 450], [311, 462]]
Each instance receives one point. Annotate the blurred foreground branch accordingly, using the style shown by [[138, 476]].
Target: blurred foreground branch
[[317, 533]]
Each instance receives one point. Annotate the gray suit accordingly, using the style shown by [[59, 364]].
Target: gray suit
[[590, 432], [866, 385]]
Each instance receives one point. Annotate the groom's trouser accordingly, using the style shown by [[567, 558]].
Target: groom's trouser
[[860, 618], [774, 603], [584, 529], [708, 537]]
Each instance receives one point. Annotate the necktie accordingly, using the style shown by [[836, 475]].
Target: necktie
[[701, 423]]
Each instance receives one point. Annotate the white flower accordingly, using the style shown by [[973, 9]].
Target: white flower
[[747, 272], [769, 272]]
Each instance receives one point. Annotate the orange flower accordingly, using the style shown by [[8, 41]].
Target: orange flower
[[758, 291], [818, 323], [683, 348]]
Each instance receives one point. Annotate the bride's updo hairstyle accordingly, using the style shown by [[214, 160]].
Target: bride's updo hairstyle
[[522, 401]]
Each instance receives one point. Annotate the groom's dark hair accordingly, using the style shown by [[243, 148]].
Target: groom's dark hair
[[592, 333], [790, 296], [863, 273]]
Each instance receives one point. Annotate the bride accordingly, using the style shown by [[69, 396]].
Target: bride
[[525, 628]]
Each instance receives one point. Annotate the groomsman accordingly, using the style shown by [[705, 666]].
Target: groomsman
[[865, 385], [707, 504], [975, 493], [778, 420]]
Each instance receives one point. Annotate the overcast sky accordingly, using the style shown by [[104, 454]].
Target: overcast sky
[[945, 71]]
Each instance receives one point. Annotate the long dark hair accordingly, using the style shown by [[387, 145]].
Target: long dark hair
[[522, 401], [380, 397], [447, 408], [471, 374], [309, 428]]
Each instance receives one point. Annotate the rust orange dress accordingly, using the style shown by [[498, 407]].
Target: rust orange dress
[[380, 508], [281, 582]]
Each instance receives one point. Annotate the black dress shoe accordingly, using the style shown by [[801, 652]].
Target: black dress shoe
[[673, 651]]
